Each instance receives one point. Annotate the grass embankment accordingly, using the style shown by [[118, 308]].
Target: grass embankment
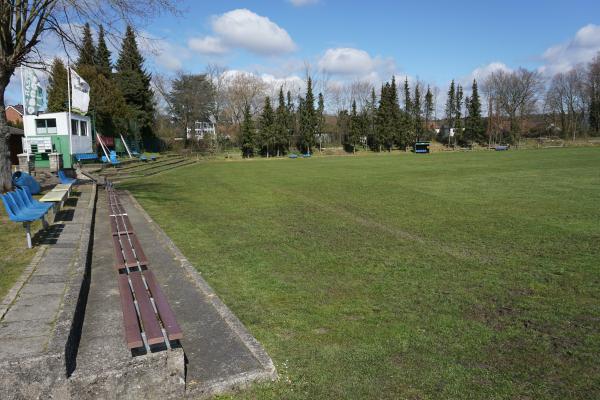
[[455, 275], [14, 254]]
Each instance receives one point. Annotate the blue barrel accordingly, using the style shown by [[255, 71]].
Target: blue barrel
[[21, 179]]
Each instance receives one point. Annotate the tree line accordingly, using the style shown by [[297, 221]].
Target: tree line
[[121, 99]]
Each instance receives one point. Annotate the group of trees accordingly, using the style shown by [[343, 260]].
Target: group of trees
[[121, 100], [469, 126], [280, 129], [24, 23], [382, 124], [572, 100]]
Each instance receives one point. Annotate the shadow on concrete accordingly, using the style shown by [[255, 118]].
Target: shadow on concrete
[[48, 236]]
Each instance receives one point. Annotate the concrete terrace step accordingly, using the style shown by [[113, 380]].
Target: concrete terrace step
[[220, 353], [154, 171], [141, 166]]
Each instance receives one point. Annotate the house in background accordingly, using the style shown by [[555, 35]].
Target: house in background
[[202, 129], [14, 115]]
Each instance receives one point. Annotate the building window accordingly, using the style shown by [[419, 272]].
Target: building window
[[45, 126], [74, 127], [83, 128]]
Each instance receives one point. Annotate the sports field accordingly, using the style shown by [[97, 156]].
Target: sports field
[[444, 276]]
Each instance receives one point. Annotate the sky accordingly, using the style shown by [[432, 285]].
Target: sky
[[433, 41]]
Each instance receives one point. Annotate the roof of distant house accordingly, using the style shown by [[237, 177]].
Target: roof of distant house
[[18, 108]]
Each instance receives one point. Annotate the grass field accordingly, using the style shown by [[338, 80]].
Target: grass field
[[14, 254], [447, 276]]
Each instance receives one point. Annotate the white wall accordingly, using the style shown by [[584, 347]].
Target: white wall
[[81, 144], [62, 127]]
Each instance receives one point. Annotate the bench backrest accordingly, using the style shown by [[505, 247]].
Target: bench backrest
[[9, 206], [18, 200], [24, 198]]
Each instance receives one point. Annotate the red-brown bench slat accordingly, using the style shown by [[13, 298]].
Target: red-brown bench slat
[[123, 243], [141, 256], [119, 261], [130, 321], [120, 225], [164, 310], [149, 321]]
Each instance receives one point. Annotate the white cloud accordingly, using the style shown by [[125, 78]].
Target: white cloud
[[209, 45], [162, 52], [246, 30], [482, 72], [582, 48], [347, 61], [300, 3]]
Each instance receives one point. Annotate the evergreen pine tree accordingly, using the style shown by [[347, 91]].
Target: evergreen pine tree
[[134, 83], [370, 119], [307, 124], [102, 54], [58, 95], [380, 119], [290, 119], [474, 125], [458, 121], [397, 132], [280, 125], [428, 107], [87, 51], [451, 106], [266, 139], [417, 114], [354, 130], [320, 119], [343, 125], [408, 106], [247, 134]]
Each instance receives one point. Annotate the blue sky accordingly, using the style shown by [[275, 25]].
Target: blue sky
[[434, 41]]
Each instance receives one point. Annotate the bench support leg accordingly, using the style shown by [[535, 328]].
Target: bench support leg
[[44, 223], [28, 233]]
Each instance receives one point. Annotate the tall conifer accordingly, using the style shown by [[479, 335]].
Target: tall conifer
[[102, 55], [247, 134], [58, 96], [134, 82], [87, 51]]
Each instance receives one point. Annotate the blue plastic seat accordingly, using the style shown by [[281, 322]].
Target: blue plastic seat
[[17, 211], [64, 178], [31, 203]]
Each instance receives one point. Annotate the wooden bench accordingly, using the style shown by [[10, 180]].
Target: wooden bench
[[148, 319]]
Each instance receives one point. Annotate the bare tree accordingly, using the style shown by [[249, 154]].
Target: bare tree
[[515, 93], [243, 89], [25, 24], [360, 91], [216, 74], [566, 100]]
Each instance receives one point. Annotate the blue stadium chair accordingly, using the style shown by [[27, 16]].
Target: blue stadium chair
[[65, 179]]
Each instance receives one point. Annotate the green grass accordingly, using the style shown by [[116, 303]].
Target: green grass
[[455, 275], [14, 254]]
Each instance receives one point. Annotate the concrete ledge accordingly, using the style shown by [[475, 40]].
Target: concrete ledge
[[39, 376], [152, 376], [23, 278]]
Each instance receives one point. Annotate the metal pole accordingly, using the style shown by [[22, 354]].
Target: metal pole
[[69, 121], [126, 147]]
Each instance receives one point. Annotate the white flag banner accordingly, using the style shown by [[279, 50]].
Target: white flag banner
[[33, 94], [80, 93]]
